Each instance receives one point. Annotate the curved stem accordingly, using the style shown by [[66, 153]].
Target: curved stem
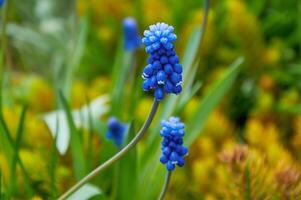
[[165, 186], [117, 156]]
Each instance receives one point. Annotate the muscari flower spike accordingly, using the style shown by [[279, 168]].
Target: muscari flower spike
[[172, 148], [163, 74], [116, 131], [2, 3], [131, 36]]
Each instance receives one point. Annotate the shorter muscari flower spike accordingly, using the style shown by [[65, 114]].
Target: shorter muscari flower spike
[[1, 3], [131, 35], [163, 74], [172, 148], [116, 131]]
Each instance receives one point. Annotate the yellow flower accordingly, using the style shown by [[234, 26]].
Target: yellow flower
[[36, 130], [11, 117], [218, 126], [156, 10], [190, 107], [243, 27], [82, 6], [40, 94], [79, 93], [143, 108], [35, 164], [271, 56], [105, 33], [36, 198], [296, 140], [267, 82], [4, 167], [260, 133]]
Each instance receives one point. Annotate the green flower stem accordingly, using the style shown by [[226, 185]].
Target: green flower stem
[[165, 186], [117, 156]]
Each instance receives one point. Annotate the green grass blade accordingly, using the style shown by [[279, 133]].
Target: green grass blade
[[77, 149], [7, 144], [190, 53], [1, 185], [52, 168], [197, 120], [247, 194], [90, 129], [13, 167]]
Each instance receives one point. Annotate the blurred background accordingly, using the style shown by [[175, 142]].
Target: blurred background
[[248, 149]]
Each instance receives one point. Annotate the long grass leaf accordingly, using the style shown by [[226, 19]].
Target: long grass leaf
[[127, 176], [197, 120], [122, 65], [16, 147]]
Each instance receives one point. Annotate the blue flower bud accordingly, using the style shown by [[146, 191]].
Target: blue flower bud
[[116, 131], [148, 71], [161, 77], [178, 68], [168, 87], [177, 89], [130, 32], [146, 85], [163, 159], [168, 69], [175, 78], [159, 94], [170, 166]]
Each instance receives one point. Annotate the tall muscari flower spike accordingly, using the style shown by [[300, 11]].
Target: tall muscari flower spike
[[116, 131], [131, 35], [172, 148], [163, 74]]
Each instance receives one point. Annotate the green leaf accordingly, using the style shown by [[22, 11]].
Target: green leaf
[[197, 120], [77, 149], [127, 171], [122, 65]]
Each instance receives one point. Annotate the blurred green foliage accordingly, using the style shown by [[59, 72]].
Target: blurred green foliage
[[64, 54]]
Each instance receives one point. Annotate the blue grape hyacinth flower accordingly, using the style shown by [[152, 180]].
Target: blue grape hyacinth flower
[[2, 3], [172, 148], [131, 35], [116, 131], [163, 74]]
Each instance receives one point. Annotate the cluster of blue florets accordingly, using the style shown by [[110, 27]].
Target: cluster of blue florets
[[163, 74], [116, 131], [173, 151]]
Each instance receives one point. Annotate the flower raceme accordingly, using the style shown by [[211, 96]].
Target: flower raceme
[[173, 151], [116, 131], [131, 36], [163, 74]]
